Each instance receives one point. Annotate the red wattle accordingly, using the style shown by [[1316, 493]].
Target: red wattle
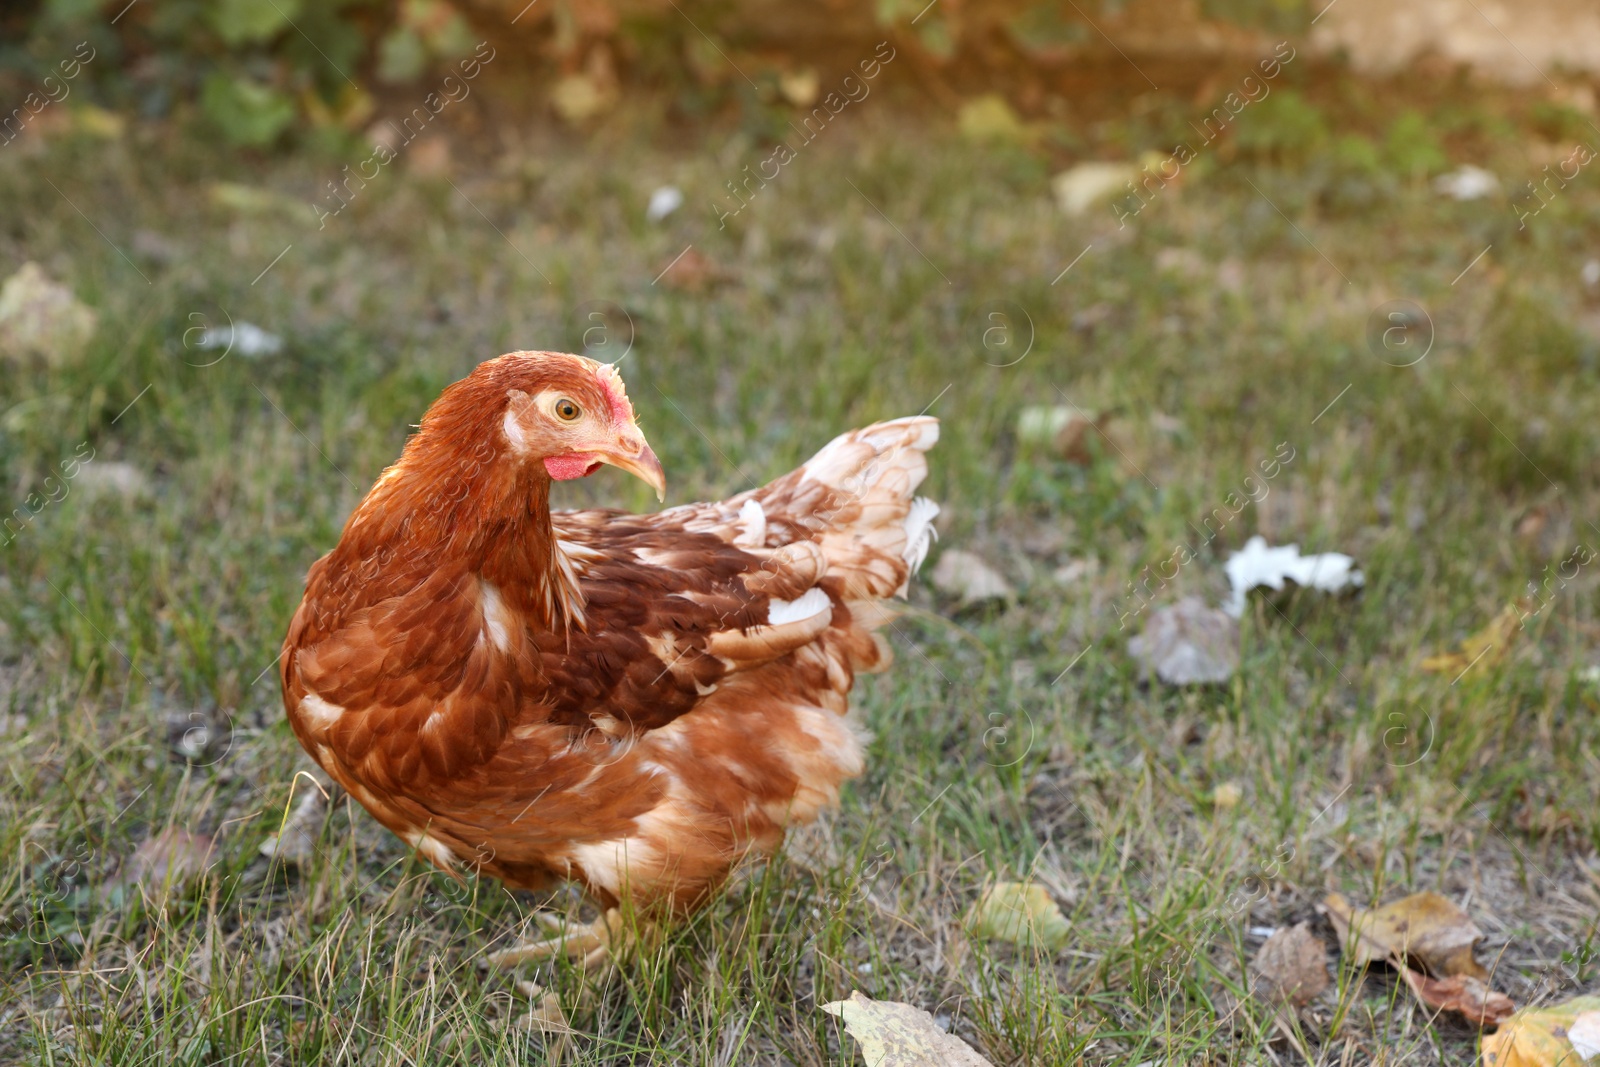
[[576, 465]]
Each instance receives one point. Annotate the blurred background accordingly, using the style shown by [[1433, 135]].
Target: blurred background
[[1132, 254]]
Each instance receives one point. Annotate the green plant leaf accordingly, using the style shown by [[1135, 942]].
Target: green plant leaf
[[402, 56], [247, 112], [243, 21]]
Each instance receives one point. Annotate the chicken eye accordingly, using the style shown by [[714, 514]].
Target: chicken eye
[[566, 410]]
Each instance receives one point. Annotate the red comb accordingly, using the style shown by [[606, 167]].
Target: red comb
[[616, 394]]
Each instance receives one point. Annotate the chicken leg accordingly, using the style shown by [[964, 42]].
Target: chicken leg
[[595, 946]]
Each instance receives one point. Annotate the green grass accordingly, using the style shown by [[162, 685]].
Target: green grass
[[122, 615]]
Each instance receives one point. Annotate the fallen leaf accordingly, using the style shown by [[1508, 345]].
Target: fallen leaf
[[1064, 429], [965, 575], [296, 842], [430, 157], [588, 93], [1559, 1036], [112, 478], [1074, 571], [171, 859], [1292, 966], [898, 1035], [989, 119], [799, 87], [98, 122], [1486, 648], [1424, 926], [546, 1017], [690, 272], [1461, 993], [577, 98], [1188, 643], [1584, 1033], [1226, 796], [1022, 913], [1432, 930], [248, 200], [1087, 185], [1257, 565], [40, 317]]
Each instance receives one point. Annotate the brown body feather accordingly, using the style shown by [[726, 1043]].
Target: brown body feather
[[630, 701]]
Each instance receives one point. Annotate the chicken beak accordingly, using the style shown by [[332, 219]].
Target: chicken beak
[[634, 455]]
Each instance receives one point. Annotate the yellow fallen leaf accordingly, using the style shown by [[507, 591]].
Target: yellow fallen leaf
[[577, 98], [990, 119], [799, 87], [1486, 648], [898, 1035], [249, 200], [1543, 1037], [1424, 926], [1022, 913], [98, 122]]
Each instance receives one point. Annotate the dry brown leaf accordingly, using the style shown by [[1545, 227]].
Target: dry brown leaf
[[1292, 966], [966, 575], [1461, 993], [296, 842], [690, 272], [546, 1017], [1545, 1037], [1065, 430], [172, 858], [1022, 913], [898, 1035], [1188, 643], [1486, 648], [1424, 926], [42, 317]]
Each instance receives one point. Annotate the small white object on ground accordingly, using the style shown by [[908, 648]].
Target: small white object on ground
[[663, 202], [1584, 1033], [1257, 565], [113, 478], [245, 338], [1467, 183], [1085, 185]]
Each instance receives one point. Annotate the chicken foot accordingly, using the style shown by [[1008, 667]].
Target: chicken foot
[[594, 945]]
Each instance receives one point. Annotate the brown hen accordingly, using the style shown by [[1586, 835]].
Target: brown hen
[[634, 702]]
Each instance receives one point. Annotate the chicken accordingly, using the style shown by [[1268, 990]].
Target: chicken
[[631, 702]]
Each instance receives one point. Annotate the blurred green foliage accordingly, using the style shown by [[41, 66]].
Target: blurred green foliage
[[1285, 127], [252, 69]]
